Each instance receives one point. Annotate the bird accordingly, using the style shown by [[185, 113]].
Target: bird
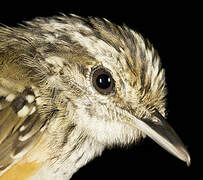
[[72, 86]]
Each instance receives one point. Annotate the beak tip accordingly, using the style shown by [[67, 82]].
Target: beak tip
[[186, 156], [188, 160], [188, 163]]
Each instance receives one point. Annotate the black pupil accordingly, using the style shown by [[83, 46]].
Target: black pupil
[[103, 81]]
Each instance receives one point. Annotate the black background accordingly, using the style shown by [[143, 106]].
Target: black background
[[172, 29]]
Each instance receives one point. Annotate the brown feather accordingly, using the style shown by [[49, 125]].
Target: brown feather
[[18, 133]]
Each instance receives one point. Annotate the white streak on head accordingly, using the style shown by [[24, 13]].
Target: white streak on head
[[96, 47], [139, 39], [49, 38], [68, 26], [56, 61], [82, 27]]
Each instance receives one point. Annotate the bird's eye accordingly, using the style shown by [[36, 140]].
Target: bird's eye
[[103, 81]]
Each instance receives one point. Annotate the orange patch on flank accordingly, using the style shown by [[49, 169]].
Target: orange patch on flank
[[21, 171]]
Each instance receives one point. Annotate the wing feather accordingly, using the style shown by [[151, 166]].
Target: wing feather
[[19, 132]]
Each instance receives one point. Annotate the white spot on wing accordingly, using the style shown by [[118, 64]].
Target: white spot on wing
[[30, 98], [10, 97], [23, 112], [22, 128]]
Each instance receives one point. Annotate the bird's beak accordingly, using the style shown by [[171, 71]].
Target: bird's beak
[[162, 133]]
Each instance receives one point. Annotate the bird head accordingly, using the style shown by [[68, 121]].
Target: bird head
[[96, 85], [111, 83]]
